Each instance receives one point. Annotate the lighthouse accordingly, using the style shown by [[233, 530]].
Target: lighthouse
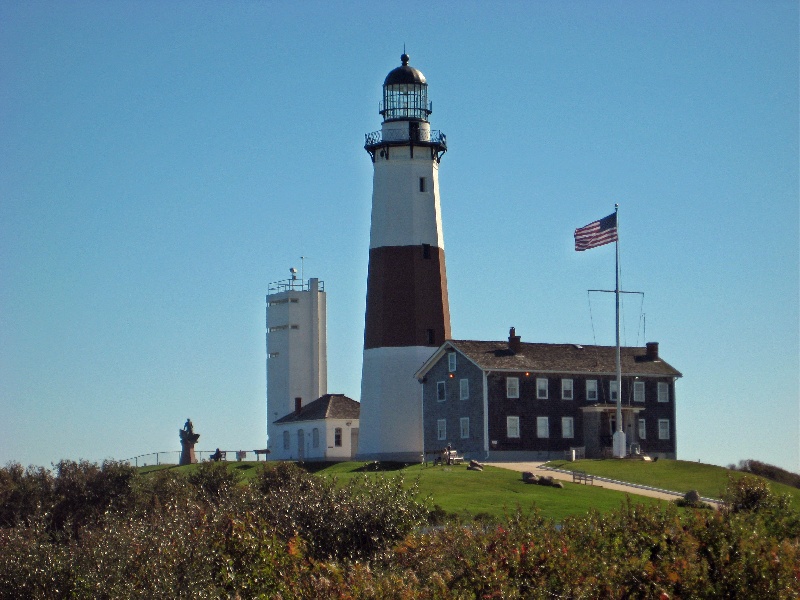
[[407, 310]]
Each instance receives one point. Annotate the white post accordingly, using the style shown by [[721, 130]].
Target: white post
[[619, 434]]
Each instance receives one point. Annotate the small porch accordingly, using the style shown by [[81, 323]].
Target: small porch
[[600, 423]]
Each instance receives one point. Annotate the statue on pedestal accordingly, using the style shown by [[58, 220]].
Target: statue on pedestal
[[188, 440]]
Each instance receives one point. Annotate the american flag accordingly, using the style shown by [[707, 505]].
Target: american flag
[[597, 233]]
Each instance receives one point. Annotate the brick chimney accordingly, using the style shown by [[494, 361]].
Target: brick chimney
[[513, 340], [298, 405], [652, 351]]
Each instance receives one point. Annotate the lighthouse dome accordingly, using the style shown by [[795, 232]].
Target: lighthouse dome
[[404, 74], [405, 94]]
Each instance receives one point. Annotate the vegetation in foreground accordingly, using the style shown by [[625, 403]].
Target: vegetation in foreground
[[106, 531]]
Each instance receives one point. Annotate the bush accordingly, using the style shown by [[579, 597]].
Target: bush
[[292, 535], [213, 480], [359, 521], [771, 472], [24, 493]]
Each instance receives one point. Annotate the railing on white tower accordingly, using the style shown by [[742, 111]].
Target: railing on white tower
[[433, 136], [292, 285]]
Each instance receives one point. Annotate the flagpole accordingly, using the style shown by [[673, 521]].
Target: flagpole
[[619, 434]]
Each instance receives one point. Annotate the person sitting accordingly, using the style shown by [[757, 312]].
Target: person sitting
[[217, 456]]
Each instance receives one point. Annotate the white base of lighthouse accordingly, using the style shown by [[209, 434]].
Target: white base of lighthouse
[[391, 404]]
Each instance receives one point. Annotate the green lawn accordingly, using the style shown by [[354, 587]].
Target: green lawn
[[494, 490], [675, 475], [497, 491]]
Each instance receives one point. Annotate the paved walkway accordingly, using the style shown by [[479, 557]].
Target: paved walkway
[[536, 469]]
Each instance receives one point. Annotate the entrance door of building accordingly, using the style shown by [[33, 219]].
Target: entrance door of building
[[301, 444]]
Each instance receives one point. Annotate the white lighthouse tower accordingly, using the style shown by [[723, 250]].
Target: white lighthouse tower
[[407, 313]]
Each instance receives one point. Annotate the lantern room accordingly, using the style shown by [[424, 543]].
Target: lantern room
[[405, 94]]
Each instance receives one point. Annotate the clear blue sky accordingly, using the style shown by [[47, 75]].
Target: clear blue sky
[[162, 162]]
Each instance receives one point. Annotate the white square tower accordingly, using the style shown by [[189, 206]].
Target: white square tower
[[297, 363]]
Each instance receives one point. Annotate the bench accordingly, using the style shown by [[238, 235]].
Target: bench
[[582, 477], [444, 458], [218, 455]]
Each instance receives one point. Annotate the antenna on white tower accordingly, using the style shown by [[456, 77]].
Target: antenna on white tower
[[302, 268]]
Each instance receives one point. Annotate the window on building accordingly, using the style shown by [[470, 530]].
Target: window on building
[[464, 422], [278, 328], [451, 361], [422, 185], [612, 390], [591, 390], [463, 386], [273, 354], [663, 391], [541, 388], [295, 327], [542, 427], [642, 430], [663, 429], [441, 391], [286, 440], [512, 427], [638, 391], [441, 429], [567, 427], [426, 251], [337, 437], [566, 389], [315, 437], [431, 337], [512, 387]]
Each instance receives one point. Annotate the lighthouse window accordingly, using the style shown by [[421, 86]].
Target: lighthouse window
[[431, 338], [426, 251], [421, 184]]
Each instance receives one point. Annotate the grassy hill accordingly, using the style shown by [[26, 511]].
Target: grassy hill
[[496, 491], [675, 475]]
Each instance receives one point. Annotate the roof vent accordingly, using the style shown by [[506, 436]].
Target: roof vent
[[513, 340]]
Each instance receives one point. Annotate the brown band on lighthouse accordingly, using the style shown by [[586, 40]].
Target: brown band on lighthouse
[[406, 297]]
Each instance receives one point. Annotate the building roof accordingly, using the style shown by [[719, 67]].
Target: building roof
[[329, 406], [555, 358]]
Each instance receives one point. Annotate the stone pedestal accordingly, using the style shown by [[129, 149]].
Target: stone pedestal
[[188, 440]]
